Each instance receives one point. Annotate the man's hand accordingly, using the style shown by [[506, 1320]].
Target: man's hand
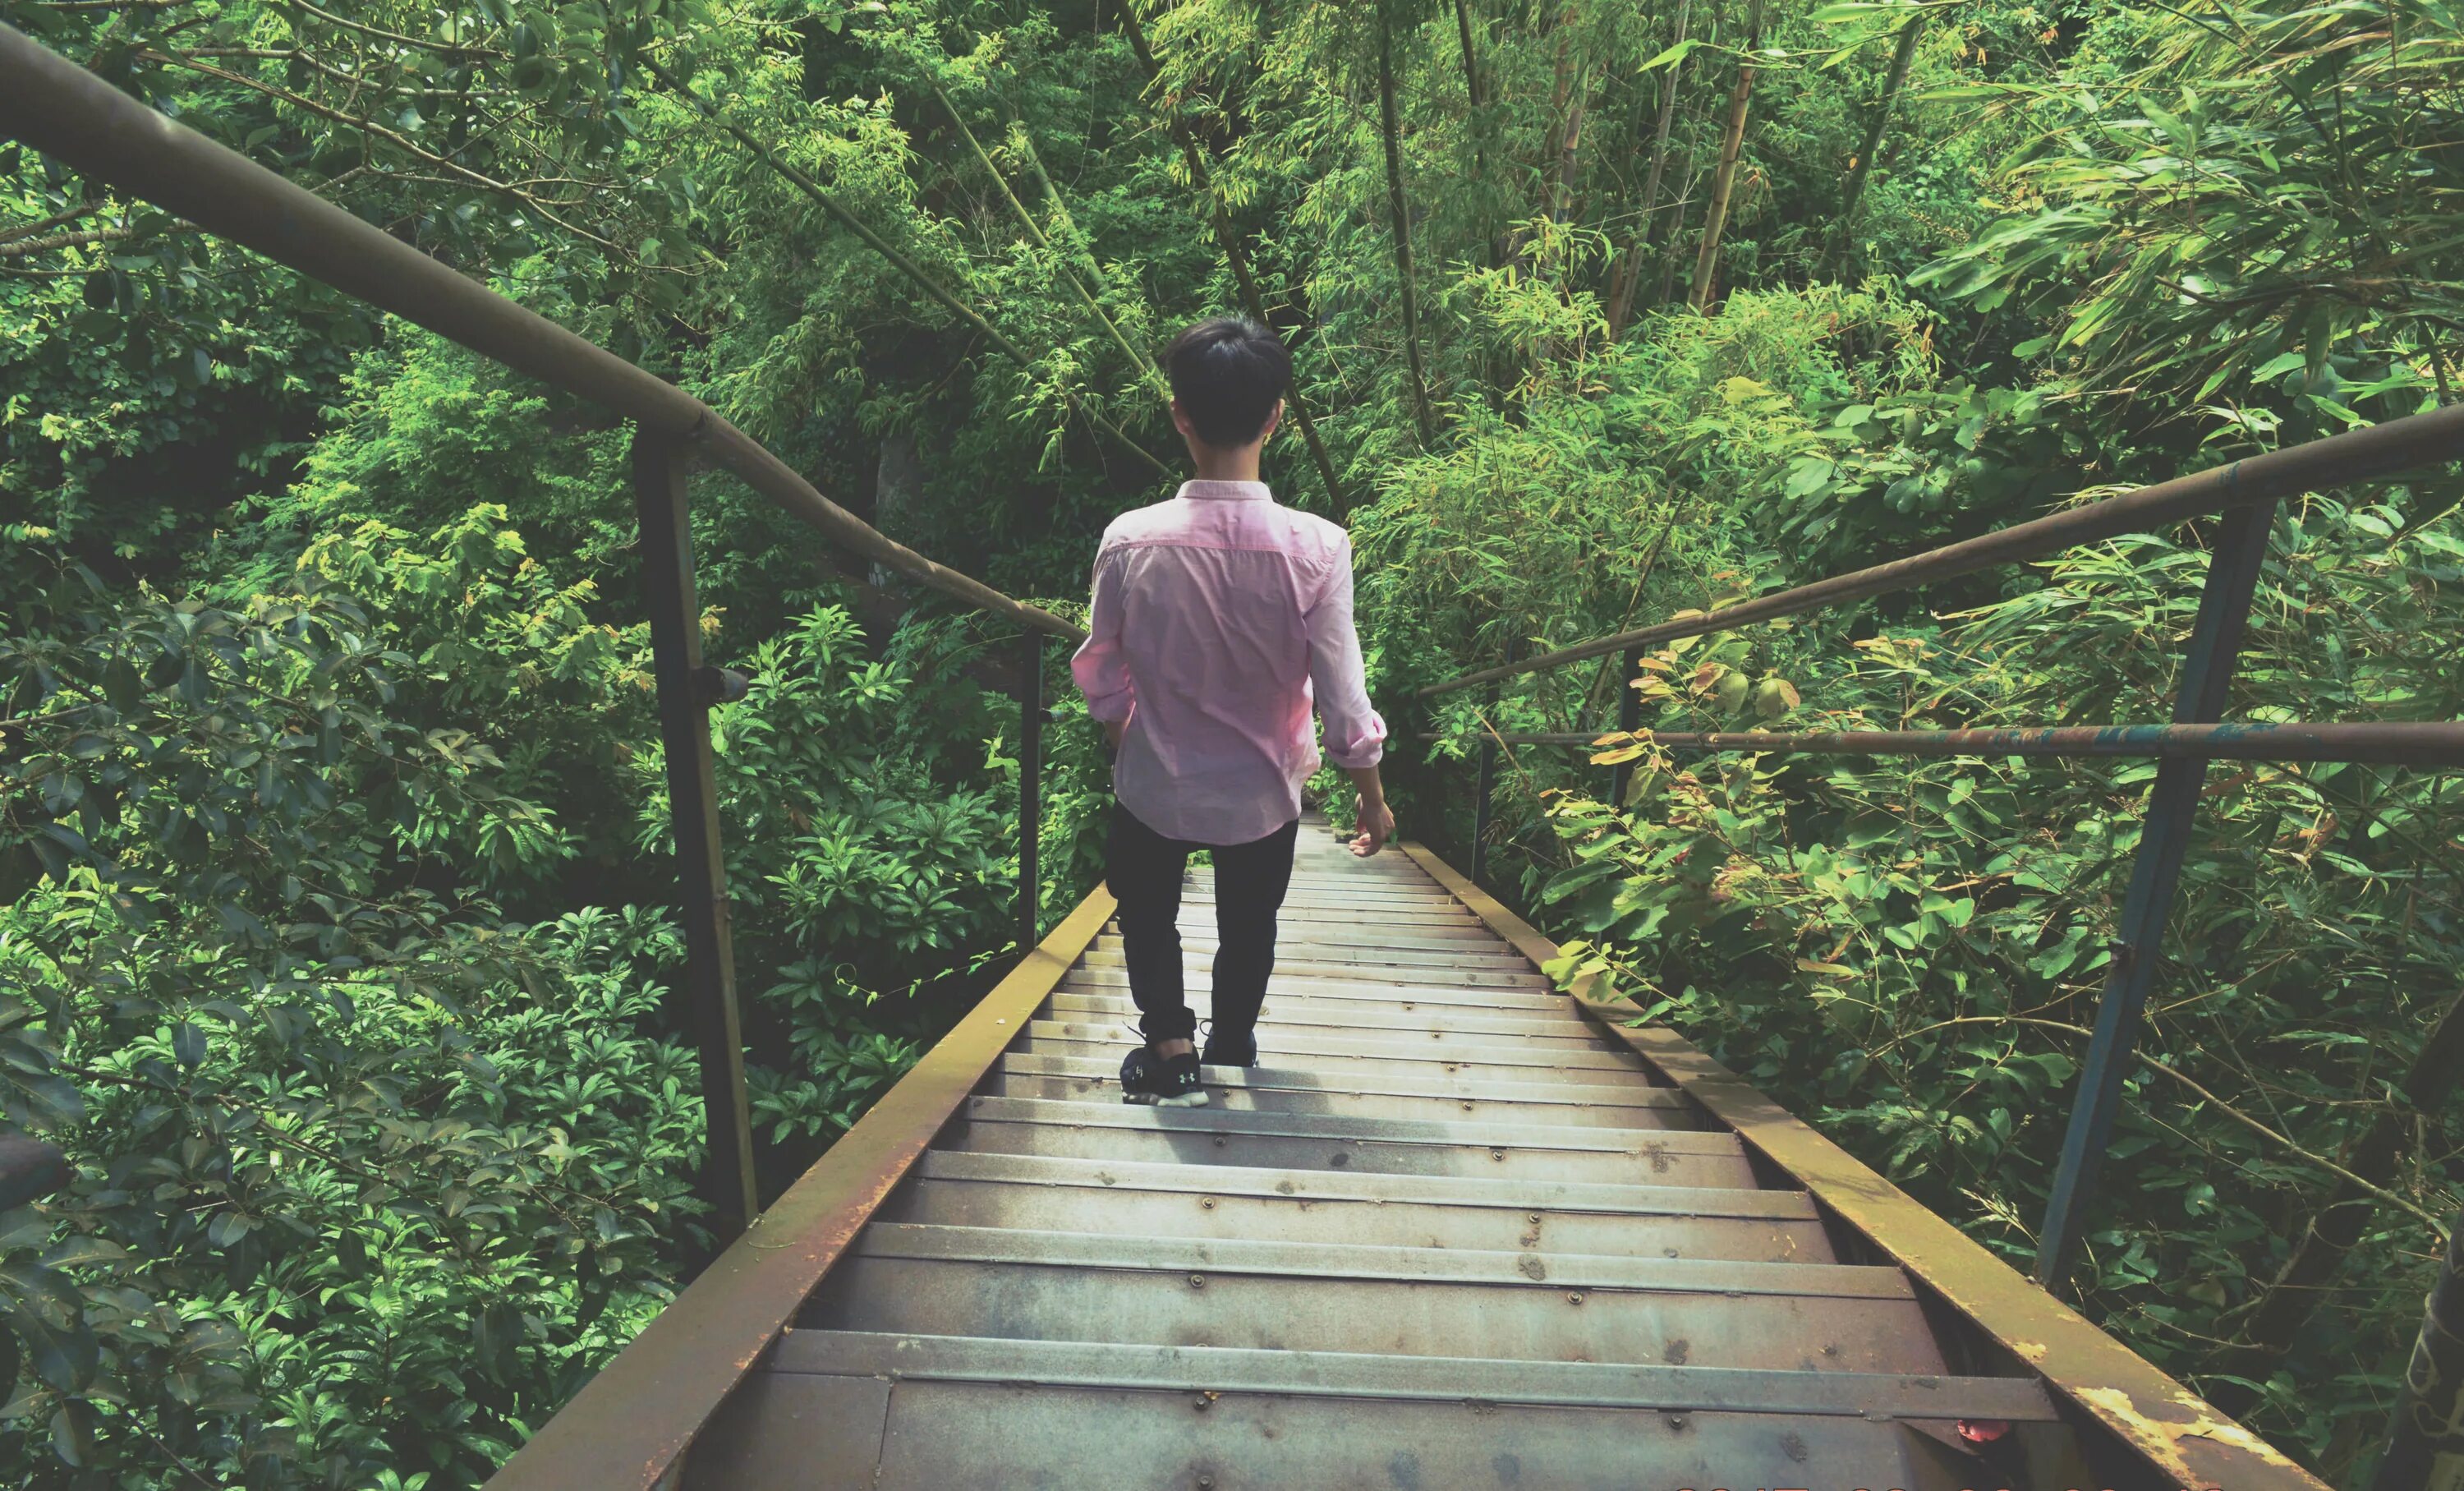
[[1375, 822]]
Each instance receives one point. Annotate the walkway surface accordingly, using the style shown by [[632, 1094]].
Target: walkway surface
[[1447, 1234]]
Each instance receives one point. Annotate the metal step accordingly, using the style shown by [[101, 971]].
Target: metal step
[[1644, 1146], [1110, 1292], [1200, 978], [1550, 1197], [1368, 1002], [1240, 1097], [1495, 975], [1428, 952], [837, 1419], [1093, 1195], [1607, 1094], [1287, 1036], [1119, 1131], [1403, 1019], [1349, 1058], [1512, 1268], [1361, 1377]]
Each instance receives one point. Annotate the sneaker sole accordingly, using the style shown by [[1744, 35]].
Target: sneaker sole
[[1195, 1100]]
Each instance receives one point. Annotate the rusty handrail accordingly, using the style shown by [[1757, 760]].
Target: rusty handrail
[[2336, 461], [2427, 742], [77, 118]]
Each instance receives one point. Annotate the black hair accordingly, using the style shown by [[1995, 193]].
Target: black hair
[[1227, 375]]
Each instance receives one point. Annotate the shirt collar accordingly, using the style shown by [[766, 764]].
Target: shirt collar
[[1226, 491]]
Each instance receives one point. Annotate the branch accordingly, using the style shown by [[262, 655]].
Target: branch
[[56, 219], [68, 240], [2436, 1226], [400, 143], [449, 49]]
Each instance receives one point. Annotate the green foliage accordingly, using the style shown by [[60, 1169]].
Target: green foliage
[[332, 807]]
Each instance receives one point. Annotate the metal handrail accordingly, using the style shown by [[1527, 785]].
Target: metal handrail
[[77, 117], [2435, 742], [2246, 492], [2335, 461]]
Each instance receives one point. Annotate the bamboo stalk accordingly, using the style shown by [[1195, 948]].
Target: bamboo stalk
[[1230, 239], [1398, 210], [1861, 168], [898, 261], [1629, 270], [1724, 181], [1138, 359], [2338, 1225]]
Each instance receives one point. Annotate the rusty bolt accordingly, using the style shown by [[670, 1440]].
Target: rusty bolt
[[1206, 1203], [1574, 1299], [1497, 1154], [1198, 1280]]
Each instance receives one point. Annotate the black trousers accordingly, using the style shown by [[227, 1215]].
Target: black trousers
[[1143, 869]]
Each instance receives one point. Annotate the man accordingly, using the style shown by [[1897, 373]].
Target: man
[[1220, 618]]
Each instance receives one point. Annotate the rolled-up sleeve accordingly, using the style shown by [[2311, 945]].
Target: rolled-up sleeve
[[1355, 736], [1099, 665]]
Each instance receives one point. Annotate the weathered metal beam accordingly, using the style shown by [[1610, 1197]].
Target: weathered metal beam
[[79, 119], [2118, 1397], [2338, 460], [659, 467], [2139, 938], [630, 1425], [2400, 743]]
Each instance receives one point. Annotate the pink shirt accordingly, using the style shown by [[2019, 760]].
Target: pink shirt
[[1220, 620]]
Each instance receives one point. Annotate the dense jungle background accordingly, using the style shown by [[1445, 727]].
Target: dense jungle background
[[334, 874]]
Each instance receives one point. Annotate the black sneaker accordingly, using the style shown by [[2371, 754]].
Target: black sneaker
[[1165, 1081], [1228, 1050]]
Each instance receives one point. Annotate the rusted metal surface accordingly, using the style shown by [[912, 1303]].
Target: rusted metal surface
[[1441, 1378], [83, 122], [2356, 455], [923, 1433], [2408, 743], [1519, 1320], [2179, 1438], [632, 1422]]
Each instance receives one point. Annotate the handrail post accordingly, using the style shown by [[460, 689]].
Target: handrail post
[[1487, 778], [1030, 795], [685, 698], [1629, 720], [2172, 805]]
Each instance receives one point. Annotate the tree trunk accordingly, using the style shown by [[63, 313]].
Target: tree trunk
[[1139, 360], [1400, 210], [1629, 268], [1724, 181], [1861, 167], [1229, 239], [897, 487]]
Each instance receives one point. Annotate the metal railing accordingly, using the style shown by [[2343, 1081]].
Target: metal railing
[[83, 122], [2246, 494]]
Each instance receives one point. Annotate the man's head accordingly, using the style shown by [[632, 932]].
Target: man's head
[[1228, 378]]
